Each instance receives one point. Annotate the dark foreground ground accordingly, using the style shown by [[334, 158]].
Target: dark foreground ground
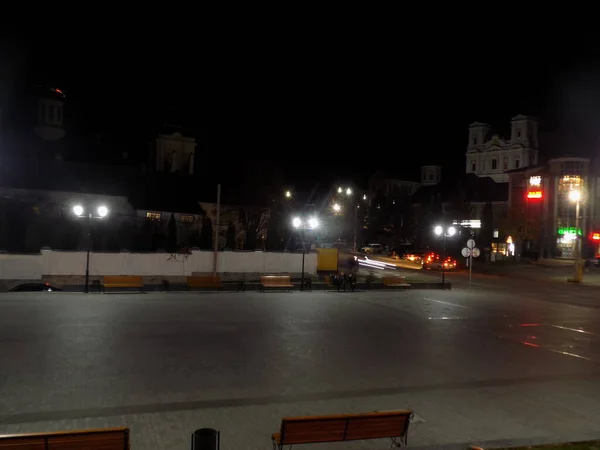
[[506, 363]]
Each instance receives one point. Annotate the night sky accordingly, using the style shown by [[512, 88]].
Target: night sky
[[339, 108]]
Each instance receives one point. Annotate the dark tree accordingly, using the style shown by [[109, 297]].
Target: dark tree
[[125, 237], [144, 236], [206, 234], [230, 241], [254, 223], [172, 235]]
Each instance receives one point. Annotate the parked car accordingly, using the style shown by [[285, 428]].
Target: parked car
[[372, 248], [34, 287]]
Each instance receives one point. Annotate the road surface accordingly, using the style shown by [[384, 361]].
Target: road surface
[[493, 365]]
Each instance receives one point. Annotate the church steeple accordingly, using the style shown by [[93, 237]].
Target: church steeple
[[50, 120]]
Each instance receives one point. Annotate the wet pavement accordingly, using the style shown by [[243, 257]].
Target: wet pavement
[[506, 362]]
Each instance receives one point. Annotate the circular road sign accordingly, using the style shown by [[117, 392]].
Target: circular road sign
[[470, 243], [466, 252], [476, 252]]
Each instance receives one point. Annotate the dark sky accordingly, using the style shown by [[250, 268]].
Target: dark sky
[[334, 105]]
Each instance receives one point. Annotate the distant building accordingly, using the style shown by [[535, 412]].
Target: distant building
[[430, 175], [51, 117], [491, 156], [174, 153], [387, 188], [544, 215]]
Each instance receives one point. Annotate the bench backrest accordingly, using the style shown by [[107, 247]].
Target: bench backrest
[[393, 280], [208, 280], [344, 427], [122, 279], [105, 439], [275, 279]]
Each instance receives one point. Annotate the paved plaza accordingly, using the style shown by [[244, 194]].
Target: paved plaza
[[507, 362]]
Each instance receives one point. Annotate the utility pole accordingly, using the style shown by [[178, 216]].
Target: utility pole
[[216, 244]]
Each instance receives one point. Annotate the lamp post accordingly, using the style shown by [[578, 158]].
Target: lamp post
[[337, 209], [445, 232], [79, 211], [575, 196], [310, 224]]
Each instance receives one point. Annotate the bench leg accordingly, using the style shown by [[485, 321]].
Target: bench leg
[[399, 442]]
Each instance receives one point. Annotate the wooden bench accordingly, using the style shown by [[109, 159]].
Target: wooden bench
[[276, 281], [344, 427], [123, 281], [102, 439], [204, 282], [390, 282]]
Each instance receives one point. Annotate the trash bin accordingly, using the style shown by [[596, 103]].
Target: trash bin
[[205, 439]]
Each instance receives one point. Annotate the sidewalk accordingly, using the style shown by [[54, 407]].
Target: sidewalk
[[543, 270]]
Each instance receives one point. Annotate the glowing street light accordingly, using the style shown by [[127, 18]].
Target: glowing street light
[[288, 194], [101, 211], [336, 207], [444, 232], [575, 196], [310, 224], [348, 191]]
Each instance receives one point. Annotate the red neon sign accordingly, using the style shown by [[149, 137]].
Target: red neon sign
[[534, 194], [596, 236]]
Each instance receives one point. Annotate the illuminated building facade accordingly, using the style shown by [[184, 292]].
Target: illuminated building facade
[[540, 198], [490, 155]]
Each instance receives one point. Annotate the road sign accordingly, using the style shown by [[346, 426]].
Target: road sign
[[470, 243], [476, 252], [466, 252]]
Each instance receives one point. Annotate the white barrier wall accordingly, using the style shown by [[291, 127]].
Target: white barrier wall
[[30, 267]]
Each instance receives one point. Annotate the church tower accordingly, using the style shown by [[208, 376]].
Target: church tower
[[175, 153], [50, 117]]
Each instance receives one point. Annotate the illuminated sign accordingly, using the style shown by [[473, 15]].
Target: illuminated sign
[[534, 194], [473, 223], [569, 230], [596, 236], [535, 181]]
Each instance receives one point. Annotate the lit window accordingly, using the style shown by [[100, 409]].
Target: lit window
[[153, 215], [186, 218]]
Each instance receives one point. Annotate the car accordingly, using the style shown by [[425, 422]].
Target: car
[[372, 248], [434, 261], [417, 258], [34, 287]]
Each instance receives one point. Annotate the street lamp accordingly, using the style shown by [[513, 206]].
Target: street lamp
[[101, 211], [310, 224], [444, 232], [575, 196], [288, 194], [336, 207]]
